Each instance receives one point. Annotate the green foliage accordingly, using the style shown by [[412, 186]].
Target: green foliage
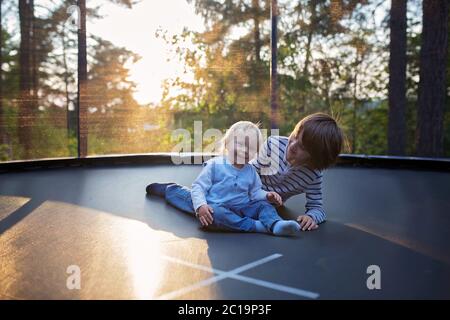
[[332, 57], [330, 60]]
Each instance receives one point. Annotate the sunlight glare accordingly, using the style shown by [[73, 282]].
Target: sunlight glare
[[135, 29]]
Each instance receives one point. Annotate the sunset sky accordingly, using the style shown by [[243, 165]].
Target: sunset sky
[[135, 29]]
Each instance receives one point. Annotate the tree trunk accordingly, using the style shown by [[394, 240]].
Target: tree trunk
[[25, 110], [305, 72], [354, 111], [256, 30], [274, 93], [66, 81], [358, 61], [432, 89], [2, 120], [34, 69], [82, 82], [311, 29], [397, 79]]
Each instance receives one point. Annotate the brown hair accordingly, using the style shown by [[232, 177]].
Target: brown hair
[[322, 138]]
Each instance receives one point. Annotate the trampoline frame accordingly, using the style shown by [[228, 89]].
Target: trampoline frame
[[344, 160]]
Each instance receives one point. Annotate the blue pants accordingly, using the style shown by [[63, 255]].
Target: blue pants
[[233, 218]]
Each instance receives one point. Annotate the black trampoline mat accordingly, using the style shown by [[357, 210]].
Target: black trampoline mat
[[131, 246]]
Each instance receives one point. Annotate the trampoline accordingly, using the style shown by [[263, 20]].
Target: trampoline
[[94, 214]]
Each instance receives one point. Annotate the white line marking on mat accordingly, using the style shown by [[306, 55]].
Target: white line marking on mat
[[234, 274]]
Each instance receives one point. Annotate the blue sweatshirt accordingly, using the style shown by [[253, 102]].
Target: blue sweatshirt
[[221, 183]]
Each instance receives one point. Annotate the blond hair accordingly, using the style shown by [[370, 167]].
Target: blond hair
[[242, 130]]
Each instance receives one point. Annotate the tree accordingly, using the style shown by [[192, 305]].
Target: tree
[[432, 89], [397, 78], [48, 49], [2, 121], [310, 24], [82, 83], [111, 119], [328, 59], [231, 70], [65, 64], [83, 77], [34, 62], [26, 79], [9, 81]]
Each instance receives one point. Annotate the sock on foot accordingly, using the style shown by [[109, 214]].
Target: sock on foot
[[157, 189], [286, 228]]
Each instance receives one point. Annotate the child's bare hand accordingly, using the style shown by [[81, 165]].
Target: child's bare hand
[[204, 214], [307, 223], [275, 198]]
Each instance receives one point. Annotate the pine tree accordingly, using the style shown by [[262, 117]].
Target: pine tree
[[397, 78], [432, 89]]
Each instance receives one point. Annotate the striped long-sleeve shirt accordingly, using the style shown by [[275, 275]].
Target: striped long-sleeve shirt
[[278, 175]]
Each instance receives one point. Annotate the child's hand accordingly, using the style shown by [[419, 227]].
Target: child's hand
[[307, 223], [275, 198], [204, 214]]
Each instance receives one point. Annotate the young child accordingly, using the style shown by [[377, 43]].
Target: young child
[[287, 165], [229, 188]]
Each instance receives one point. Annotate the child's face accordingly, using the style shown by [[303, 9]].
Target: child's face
[[242, 148], [296, 154]]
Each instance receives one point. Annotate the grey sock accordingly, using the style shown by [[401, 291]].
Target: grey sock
[[286, 228]]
